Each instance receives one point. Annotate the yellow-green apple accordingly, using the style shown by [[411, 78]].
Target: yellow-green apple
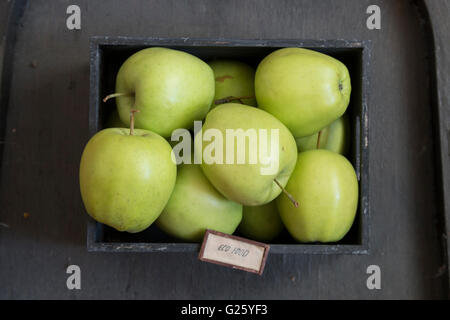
[[171, 88], [261, 223], [325, 185], [335, 137], [195, 206], [247, 153], [304, 89], [234, 80], [126, 177]]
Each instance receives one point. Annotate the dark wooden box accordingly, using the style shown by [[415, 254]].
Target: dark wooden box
[[108, 53]]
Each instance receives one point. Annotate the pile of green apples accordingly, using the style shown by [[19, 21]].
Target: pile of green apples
[[129, 177]]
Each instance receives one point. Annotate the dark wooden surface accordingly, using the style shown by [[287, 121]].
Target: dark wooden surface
[[47, 127]]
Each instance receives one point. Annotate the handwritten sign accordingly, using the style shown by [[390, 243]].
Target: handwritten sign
[[234, 252]]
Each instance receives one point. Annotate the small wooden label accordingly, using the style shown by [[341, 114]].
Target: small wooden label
[[234, 252]]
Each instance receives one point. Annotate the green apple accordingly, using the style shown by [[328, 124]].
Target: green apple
[[236, 162], [261, 223], [195, 206], [171, 88], [325, 185], [304, 89], [126, 179], [335, 137], [234, 79], [114, 121]]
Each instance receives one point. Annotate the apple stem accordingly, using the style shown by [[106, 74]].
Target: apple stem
[[113, 95], [231, 98], [318, 139], [132, 112], [294, 202]]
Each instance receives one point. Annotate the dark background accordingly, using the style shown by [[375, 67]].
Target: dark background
[[44, 109]]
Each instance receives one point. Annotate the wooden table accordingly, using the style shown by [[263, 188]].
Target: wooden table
[[44, 116]]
